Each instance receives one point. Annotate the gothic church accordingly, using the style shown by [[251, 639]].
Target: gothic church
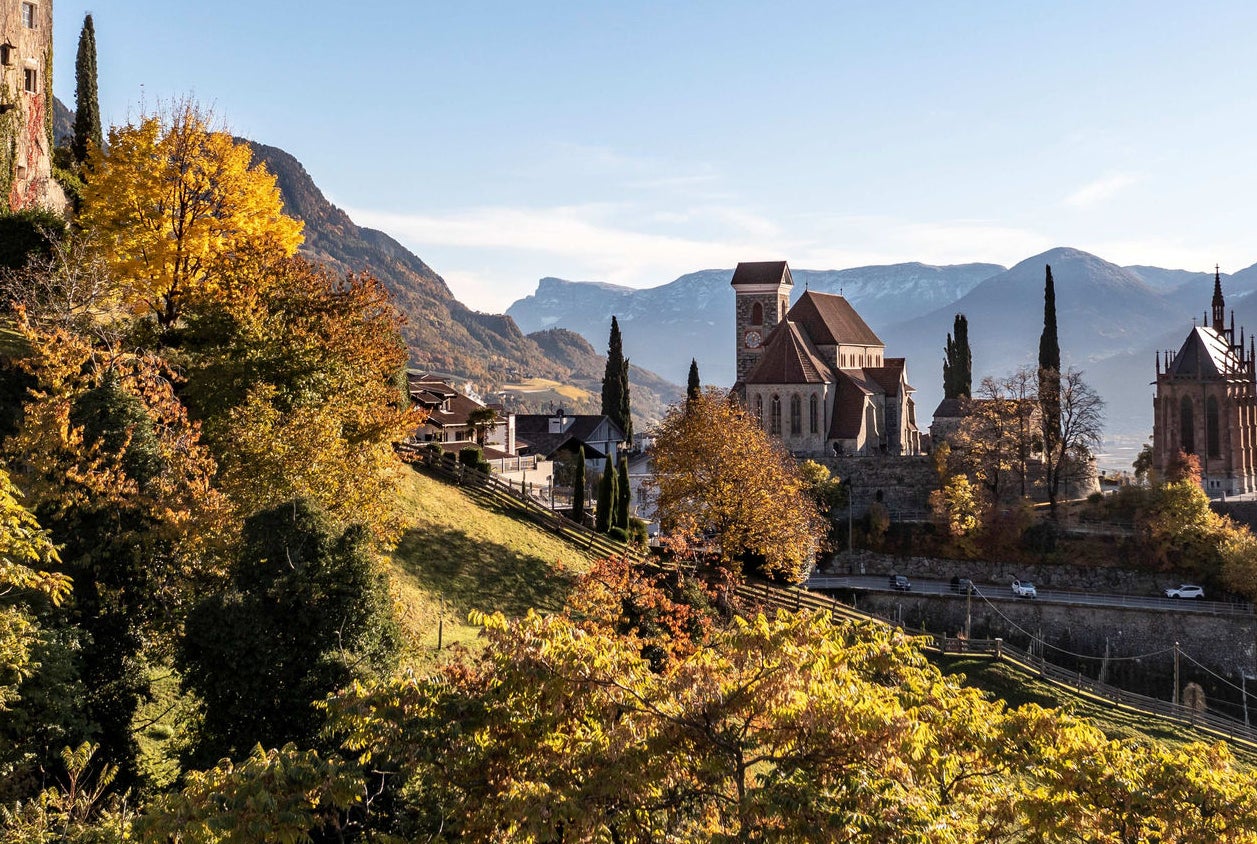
[[815, 374], [1206, 404]]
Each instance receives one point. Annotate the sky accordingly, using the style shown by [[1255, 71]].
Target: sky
[[634, 142]]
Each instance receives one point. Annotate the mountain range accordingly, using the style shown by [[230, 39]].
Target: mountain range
[[1111, 319]]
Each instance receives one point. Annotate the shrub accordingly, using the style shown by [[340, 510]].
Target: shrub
[[26, 232], [638, 532], [618, 534]]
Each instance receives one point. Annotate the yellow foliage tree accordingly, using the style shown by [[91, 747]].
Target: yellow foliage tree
[[718, 473], [177, 206]]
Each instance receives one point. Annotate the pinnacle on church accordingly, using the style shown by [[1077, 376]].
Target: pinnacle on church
[[1219, 304]]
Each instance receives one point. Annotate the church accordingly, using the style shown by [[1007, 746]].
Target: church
[[815, 375], [1206, 404]]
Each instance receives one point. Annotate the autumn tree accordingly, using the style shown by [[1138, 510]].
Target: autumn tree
[[717, 473], [177, 208], [297, 394], [1000, 433]]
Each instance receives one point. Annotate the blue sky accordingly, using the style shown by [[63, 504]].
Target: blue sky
[[634, 142]]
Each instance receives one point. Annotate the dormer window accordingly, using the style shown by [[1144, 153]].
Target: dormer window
[[28, 16]]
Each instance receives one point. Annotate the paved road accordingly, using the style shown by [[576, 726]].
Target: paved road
[[871, 583]]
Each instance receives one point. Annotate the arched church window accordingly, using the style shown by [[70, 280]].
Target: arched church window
[[811, 414], [774, 415], [796, 416], [1186, 426], [759, 410], [1213, 443], [757, 314]]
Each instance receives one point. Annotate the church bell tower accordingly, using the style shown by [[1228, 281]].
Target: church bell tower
[[762, 297]]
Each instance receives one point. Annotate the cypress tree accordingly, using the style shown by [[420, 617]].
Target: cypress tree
[[615, 389], [693, 389], [1050, 380], [608, 493], [624, 497], [87, 131], [958, 365], [1049, 345], [578, 488]]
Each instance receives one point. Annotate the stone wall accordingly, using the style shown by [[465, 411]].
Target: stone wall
[[904, 482]]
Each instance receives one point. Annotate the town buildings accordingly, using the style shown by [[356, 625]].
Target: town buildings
[[26, 106]]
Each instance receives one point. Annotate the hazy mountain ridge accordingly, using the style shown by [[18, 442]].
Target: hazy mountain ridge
[[691, 317], [443, 335]]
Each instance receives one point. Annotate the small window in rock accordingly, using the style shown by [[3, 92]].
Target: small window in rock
[[31, 77], [28, 15]]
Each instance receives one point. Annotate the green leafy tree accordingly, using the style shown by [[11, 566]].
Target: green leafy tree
[[578, 487], [608, 499], [87, 132], [958, 364], [482, 420], [308, 611]]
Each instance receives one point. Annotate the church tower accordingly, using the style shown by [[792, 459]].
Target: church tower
[[762, 292], [1206, 404]]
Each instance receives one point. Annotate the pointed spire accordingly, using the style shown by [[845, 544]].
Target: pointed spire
[[1232, 336], [1219, 304], [1158, 361]]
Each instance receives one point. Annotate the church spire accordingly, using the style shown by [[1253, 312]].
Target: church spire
[[1219, 304]]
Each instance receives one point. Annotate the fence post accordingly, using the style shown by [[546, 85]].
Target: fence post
[[999, 648]]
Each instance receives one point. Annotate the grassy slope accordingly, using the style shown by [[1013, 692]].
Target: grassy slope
[[1015, 688], [459, 556]]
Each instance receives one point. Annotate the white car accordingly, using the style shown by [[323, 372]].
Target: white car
[[1185, 591], [1024, 589]]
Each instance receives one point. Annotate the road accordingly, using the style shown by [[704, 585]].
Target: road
[[872, 583]]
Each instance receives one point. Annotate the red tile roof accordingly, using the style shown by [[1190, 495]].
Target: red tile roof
[[830, 320]]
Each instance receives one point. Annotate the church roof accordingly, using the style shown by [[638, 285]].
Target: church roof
[[890, 375], [949, 409], [762, 272], [1206, 353], [830, 320], [788, 358], [848, 407]]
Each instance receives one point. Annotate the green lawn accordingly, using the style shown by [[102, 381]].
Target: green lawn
[[1016, 688], [459, 555]]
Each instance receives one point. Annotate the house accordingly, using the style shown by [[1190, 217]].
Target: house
[[1206, 404], [449, 418], [815, 374], [548, 434], [26, 105]]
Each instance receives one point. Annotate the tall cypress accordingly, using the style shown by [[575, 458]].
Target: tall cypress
[[1050, 378], [578, 487], [624, 495], [958, 364], [608, 495], [693, 389], [615, 390], [87, 133]]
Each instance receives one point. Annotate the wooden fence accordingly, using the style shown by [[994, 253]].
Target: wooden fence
[[496, 492], [1074, 682]]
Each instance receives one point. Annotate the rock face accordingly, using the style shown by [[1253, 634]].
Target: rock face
[[444, 335], [692, 317]]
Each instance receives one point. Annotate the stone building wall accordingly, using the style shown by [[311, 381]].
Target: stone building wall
[[905, 483], [25, 124]]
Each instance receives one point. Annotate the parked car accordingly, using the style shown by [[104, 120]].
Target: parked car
[[1024, 589], [961, 584], [899, 583], [1185, 591]]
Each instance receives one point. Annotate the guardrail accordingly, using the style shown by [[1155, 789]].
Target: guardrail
[[498, 492], [1089, 599], [796, 598]]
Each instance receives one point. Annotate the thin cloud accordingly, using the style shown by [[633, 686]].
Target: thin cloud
[[1100, 190]]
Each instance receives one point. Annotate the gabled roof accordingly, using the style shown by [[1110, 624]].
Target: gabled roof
[[949, 409], [533, 429], [432, 394], [889, 376], [830, 320], [788, 358], [1205, 353], [762, 272]]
